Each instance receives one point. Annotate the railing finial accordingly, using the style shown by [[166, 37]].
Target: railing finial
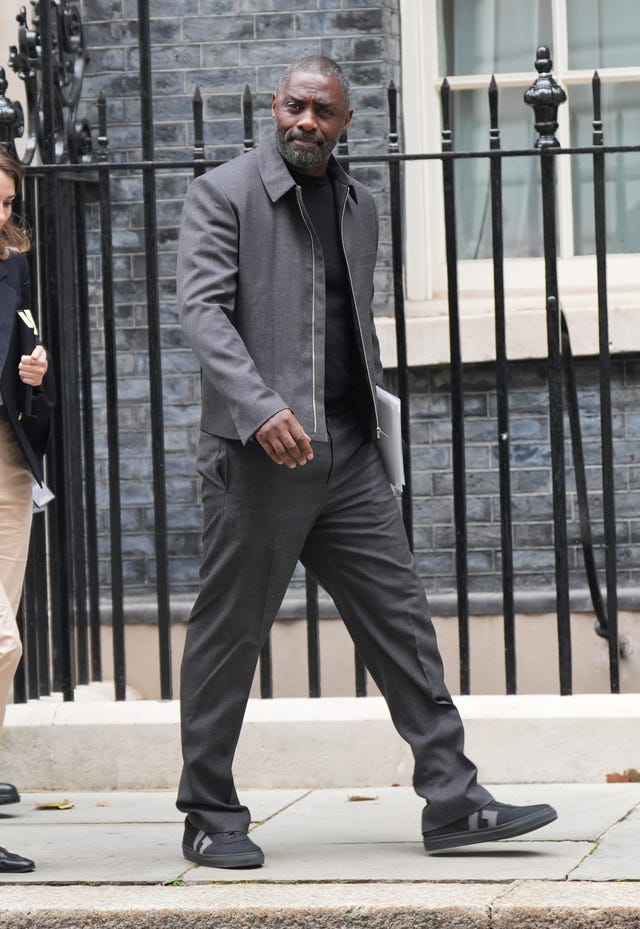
[[545, 96]]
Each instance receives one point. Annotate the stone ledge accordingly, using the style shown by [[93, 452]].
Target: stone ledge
[[534, 904], [294, 606], [328, 742]]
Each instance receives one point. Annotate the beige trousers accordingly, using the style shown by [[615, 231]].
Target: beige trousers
[[15, 527]]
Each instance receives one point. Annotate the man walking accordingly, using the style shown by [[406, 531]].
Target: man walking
[[275, 278]]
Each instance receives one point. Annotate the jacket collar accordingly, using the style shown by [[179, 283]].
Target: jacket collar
[[276, 177]]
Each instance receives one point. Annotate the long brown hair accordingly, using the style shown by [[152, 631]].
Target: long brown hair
[[12, 234]]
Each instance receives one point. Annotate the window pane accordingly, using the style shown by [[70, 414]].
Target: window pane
[[491, 36], [603, 33], [621, 122], [521, 208]]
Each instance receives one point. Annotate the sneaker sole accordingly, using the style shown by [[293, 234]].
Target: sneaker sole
[[491, 834], [246, 860]]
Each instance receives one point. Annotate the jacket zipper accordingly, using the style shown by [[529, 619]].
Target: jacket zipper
[[313, 308], [355, 307]]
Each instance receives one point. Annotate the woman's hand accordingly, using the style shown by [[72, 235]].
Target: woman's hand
[[33, 367]]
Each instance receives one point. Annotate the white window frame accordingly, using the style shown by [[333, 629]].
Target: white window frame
[[425, 275]]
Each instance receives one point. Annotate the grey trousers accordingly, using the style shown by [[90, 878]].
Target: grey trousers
[[338, 516]]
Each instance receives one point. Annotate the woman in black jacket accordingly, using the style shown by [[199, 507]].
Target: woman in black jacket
[[23, 365]]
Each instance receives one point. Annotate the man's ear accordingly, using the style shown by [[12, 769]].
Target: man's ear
[[273, 105], [347, 120]]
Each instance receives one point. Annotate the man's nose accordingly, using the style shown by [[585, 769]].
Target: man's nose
[[307, 119]]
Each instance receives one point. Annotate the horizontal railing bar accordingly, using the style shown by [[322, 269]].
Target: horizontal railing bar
[[353, 159]]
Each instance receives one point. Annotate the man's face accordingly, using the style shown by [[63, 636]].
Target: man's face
[[310, 113]]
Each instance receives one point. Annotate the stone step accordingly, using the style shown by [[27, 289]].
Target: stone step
[[329, 742]]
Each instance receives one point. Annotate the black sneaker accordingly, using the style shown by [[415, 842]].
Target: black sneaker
[[494, 821], [220, 849]]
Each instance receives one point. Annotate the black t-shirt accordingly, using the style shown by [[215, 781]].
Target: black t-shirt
[[340, 347]]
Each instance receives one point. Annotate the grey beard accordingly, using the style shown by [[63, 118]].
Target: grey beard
[[300, 158]]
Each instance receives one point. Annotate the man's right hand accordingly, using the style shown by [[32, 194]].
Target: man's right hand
[[284, 440]]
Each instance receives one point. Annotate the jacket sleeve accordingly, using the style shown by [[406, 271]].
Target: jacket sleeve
[[207, 274]]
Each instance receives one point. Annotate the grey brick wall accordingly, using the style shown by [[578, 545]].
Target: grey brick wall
[[531, 500], [219, 46]]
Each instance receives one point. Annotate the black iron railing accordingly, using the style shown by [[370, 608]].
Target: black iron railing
[[61, 618]]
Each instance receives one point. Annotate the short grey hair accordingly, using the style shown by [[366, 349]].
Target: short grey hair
[[318, 64]]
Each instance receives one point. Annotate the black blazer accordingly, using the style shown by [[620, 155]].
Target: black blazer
[[31, 426]]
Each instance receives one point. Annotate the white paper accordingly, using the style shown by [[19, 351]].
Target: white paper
[[41, 495], [390, 441]]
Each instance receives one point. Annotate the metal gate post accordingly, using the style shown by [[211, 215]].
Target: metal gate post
[[545, 96]]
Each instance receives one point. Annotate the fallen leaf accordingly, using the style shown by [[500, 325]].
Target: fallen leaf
[[358, 797], [616, 778], [55, 805], [633, 775]]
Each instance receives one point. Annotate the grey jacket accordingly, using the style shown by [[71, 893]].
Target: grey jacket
[[251, 292]]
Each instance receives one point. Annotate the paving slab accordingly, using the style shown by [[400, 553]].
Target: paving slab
[[359, 814], [325, 835], [361, 861], [585, 811], [127, 806], [355, 835], [116, 853], [364, 834], [150, 853], [617, 855]]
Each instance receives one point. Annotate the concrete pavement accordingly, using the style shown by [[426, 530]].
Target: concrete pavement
[[334, 857]]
